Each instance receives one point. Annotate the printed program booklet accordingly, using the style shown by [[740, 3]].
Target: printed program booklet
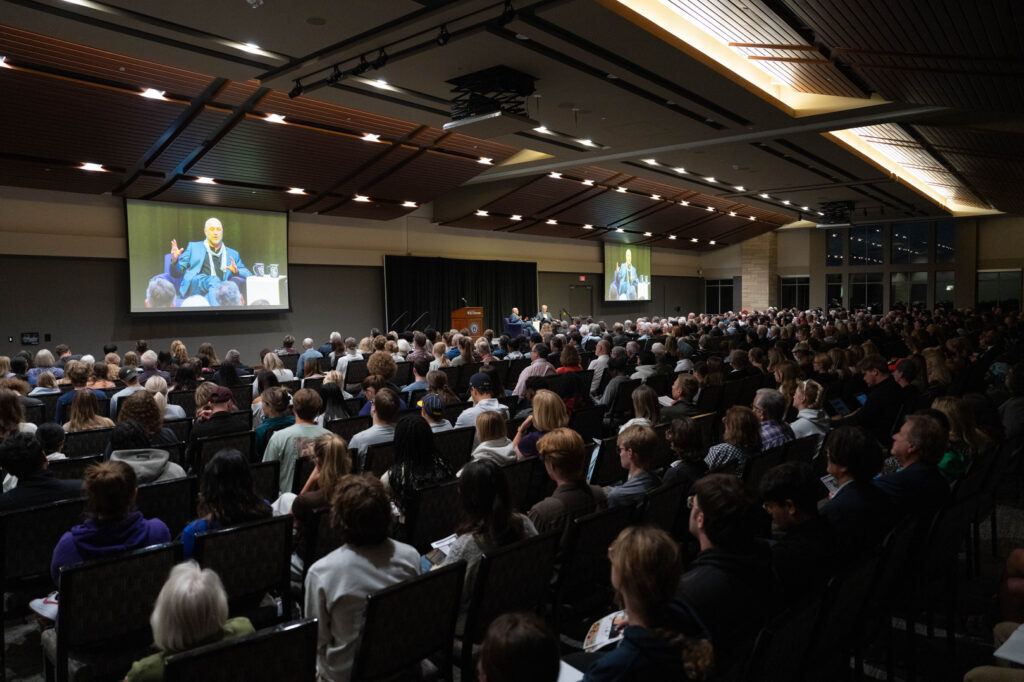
[[606, 631]]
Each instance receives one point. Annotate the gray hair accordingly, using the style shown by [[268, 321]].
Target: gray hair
[[618, 351], [148, 359], [307, 342], [771, 402], [335, 336], [192, 607], [44, 358], [232, 356]]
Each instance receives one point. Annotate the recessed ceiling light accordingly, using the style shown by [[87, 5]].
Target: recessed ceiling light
[[588, 182], [410, 204], [516, 217], [152, 93], [588, 226], [587, 142], [380, 83], [651, 162], [371, 137], [684, 202], [485, 160], [620, 230], [648, 234], [482, 213], [805, 208], [551, 221], [740, 188], [750, 218], [299, 190], [205, 181], [542, 130], [786, 202], [710, 179], [712, 242], [362, 199], [88, 166], [4, 64], [623, 190], [764, 195], [679, 170], [710, 209], [820, 213], [671, 236], [520, 36], [274, 118], [732, 213], [694, 240], [554, 174], [252, 48], [656, 197]]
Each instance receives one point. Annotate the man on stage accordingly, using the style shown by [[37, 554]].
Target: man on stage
[[627, 279], [544, 316], [204, 266]]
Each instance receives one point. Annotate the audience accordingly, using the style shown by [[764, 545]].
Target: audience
[[28, 482], [78, 374], [84, 412], [918, 488], [685, 440], [858, 512], [337, 585], [741, 440], [770, 408], [637, 445], [383, 414], [548, 414], [417, 463], [517, 647], [481, 392], [563, 452], [130, 443], [492, 436], [277, 415], [285, 446], [432, 410]]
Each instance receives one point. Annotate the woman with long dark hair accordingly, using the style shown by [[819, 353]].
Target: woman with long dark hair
[[417, 463], [226, 498], [333, 396]]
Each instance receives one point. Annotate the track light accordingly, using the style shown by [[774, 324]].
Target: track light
[[335, 76], [443, 36], [381, 60], [296, 91], [362, 67]]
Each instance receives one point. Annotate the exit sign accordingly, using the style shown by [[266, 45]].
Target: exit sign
[[583, 278]]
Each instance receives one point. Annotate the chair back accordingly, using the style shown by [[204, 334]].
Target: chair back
[[516, 577], [35, 414], [661, 383], [455, 446], [516, 367], [353, 405], [292, 385], [73, 467], [512, 425], [623, 403], [186, 400], [466, 371], [709, 398], [409, 621], [316, 382], [433, 514], [781, 648], [585, 570], [84, 443], [266, 479], [608, 469], [173, 502], [804, 449], [403, 377], [663, 506], [28, 536], [379, 458], [355, 372], [587, 421], [303, 468], [284, 653], [49, 401], [290, 362], [242, 395], [320, 537], [416, 397], [758, 465], [452, 412], [251, 559], [519, 474], [730, 396], [663, 455], [109, 601], [350, 426], [207, 447], [182, 428]]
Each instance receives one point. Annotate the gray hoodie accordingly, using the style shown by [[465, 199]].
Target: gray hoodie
[[150, 464], [811, 423]]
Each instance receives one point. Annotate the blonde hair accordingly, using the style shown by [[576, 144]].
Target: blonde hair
[[331, 451], [202, 394], [962, 426], [46, 380], [813, 393], [564, 449], [179, 352], [84, 412], [271, 362], [156, 384], [490, 425], [439, 353], [549, 411], [5, 366], [334, 377], [191, 608]]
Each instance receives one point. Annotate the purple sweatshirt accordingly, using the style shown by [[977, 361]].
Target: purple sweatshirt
[[97, 539]]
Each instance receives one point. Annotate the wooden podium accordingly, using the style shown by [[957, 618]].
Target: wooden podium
[[471, 319]]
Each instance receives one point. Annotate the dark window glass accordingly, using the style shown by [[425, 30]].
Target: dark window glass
[[999, 289], [910, 243], [834, 247], [718, 295], [795, 292], [944, 252], [865, 245], [866, 291], [909, 290], [944, 289], [834, 290]]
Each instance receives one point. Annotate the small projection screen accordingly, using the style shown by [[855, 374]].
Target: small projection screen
[[627, 272]]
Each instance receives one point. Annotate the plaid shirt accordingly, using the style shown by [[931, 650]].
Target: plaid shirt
[[774, 434]]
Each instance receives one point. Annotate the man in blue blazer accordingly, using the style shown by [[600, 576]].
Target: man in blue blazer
[[204, 266], [627, 278]]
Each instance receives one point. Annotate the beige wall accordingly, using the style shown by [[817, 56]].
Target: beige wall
[[1000, 242], [59, 224]]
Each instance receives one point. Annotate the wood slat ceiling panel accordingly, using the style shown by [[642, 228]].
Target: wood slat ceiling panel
[[142, 186], [998, 92], [186, 192], [597, 174], [201, 128], [281, 155], [52, 177], [670, 219], [382, 166], [325, 113], [540, 197], [429, 175], [562, 231], [478, 147], [107, 126], [606, 208], [236, 93], [372, 211], [33, 48], [488, 224]]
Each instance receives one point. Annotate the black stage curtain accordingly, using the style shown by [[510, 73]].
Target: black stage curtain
[[418, 285]]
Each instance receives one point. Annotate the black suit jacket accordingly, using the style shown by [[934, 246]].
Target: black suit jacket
[[917, 489], [859, 515], [878, 413], [40, 488]]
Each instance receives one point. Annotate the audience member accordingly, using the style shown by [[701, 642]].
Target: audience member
[[684, 390], [858, 512], [25, 462], [811, 420], [78, 374], [882, 404], [917, 488], [492, 438], [148, 361], [687, 443], [563, 452], [646, 408], [285, 446], [432, 410], [142, 407], [548, 414], [130, 443], [518, 647], [538, 367], [417, 463], [383, 413], [331, 463], [481, 392], [770, 408], [85, 412], [308, 353], [637, 445], [277, 415], [741, 440], [158, 386]]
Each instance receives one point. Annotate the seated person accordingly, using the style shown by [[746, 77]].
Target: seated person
[[143, 408], [481, 392], [518, 646], [562, 450], [637, 446], [729, 585], [770, 408], [276, 402], [918, 488], [684, 390], [23, 458], [802, 554], [331, 464], [51, 438], [432, 410], [85, 412], [384, 411], [417, 463], [129, 443], [286, 445], [859, 513], [548, 414], [741, 440], [226, 498], [112, 525], [337, 585], [191, 610], [657, 643], [686, 442], [492, 434]]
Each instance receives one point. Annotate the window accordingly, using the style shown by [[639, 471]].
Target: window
[[910, 243], [795, 292], [718, 295], [834, 290], [866, 291], [834, 247], [999, 289], [865, 245], [944, 289], [909, 290], [944, 251]]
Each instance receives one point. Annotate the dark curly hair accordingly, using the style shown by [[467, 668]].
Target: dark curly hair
[[226, 493]]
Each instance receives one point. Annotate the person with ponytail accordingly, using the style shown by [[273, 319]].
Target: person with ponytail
[[646, 567]]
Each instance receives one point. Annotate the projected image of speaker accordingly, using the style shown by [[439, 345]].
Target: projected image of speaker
[[627, 272], [195, 258]]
